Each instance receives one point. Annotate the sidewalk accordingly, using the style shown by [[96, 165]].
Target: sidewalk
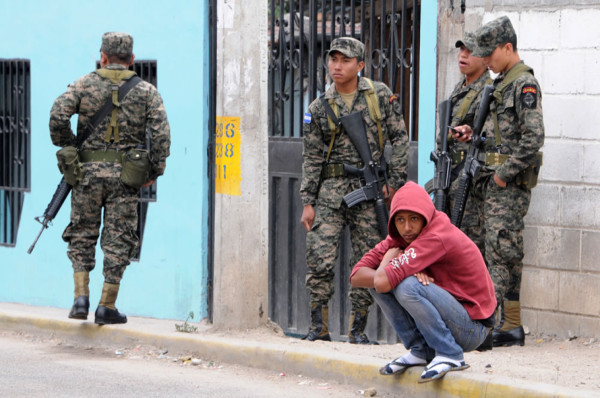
[[337, 361]]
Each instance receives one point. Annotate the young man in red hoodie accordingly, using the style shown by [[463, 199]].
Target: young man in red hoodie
[[432, 285]]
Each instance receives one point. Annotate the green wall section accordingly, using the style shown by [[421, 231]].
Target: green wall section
[[61, 39]]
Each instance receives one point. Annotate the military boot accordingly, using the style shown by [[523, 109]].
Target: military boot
[[107, 313], [511, 332], [319, 318], [357, 325], [81, 304]]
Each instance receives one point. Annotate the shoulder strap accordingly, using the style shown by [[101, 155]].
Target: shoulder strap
[[512, 75], [374, 110], [106, 108], [464, 106], [334, 122]]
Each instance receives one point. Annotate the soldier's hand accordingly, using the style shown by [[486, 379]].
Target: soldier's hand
[[308, 217], [388, 192], [462, 133]]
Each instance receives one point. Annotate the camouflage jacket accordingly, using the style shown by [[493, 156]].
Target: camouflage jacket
[[142, 112], [520, 124], [317, 137], [457, 96]]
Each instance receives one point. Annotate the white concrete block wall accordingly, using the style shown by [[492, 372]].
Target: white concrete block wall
[[560, 291]]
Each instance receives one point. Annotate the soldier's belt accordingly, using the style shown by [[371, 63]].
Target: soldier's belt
[[101, 156], [526, 178], [332, 170]]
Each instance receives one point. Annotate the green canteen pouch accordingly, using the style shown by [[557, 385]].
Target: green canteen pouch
[[69, 165], [136, 168], [528, 178]]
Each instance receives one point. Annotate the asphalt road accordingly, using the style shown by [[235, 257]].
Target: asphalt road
[[31, 366]]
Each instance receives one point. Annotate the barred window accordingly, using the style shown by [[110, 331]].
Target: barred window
[[15, 145], [146, 69]]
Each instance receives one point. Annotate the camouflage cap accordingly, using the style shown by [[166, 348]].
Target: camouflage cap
[[117, 43], [469, 41], [348, 46], [491, 35]]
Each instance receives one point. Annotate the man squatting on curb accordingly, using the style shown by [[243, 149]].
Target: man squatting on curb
[[99, 182], [432, 285]]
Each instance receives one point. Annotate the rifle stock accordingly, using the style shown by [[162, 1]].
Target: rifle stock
[[472, 165], [371, 190]]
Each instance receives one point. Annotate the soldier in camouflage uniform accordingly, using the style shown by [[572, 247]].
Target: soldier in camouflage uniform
[[324, 183], [511, 160], [465, 99], [139, 113]]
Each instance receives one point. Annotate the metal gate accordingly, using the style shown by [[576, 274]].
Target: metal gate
[[299, 36], [15, 145]]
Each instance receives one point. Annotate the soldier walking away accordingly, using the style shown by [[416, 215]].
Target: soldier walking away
[[107, 163], [327, 148], [511, 162]]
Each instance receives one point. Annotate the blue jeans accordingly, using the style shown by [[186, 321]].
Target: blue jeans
[[429, 320]]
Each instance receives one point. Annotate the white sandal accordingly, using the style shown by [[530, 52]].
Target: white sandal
[[439, 369]]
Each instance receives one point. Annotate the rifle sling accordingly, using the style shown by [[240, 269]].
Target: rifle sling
[[106, 108], [335, 121]]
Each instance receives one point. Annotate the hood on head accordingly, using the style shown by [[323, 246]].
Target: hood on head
[[411, 197]]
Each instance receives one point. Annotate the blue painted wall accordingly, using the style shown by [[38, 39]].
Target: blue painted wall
[[427, 88], [61, 38]]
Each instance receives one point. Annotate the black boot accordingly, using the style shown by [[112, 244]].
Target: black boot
[[80, 309], [487, 343], [511, 332], [319, 316], [107, 313], [107, 316], [515, 336], [358, 323]]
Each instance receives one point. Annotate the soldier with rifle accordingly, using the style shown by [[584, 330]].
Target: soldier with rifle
[[510, 162], [344, 185], [106, 163]]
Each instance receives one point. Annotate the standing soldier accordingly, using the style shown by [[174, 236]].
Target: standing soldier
[[326, 149], [514, 135], [96, 169], [465, 99]]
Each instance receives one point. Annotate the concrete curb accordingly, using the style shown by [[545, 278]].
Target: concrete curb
[[356, 370]]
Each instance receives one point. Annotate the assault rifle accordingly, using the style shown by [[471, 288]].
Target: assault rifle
[[472, 165], [371, 188], [442, 159], [61, 193]]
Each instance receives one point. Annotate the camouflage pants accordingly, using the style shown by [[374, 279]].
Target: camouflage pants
[[472, 222], [322, 247], [119, 238], [504, 210]]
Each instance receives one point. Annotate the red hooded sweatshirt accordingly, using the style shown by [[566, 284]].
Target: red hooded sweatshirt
[[441, 250]]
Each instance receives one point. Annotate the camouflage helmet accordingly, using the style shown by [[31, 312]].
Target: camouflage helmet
[[491, 35], [469, 41], [117, 43], [348, 46]]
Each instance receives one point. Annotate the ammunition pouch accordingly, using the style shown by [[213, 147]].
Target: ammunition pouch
[[332, 170], [458, 157], [70, 165], [136, 168], [527, 178]]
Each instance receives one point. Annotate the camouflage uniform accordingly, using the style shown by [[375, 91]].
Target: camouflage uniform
[[520, 136], [472, 221], [332, 215], [141, 112]]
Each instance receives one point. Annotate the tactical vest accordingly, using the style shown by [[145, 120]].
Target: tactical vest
[[374, 112], [115, 76]]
